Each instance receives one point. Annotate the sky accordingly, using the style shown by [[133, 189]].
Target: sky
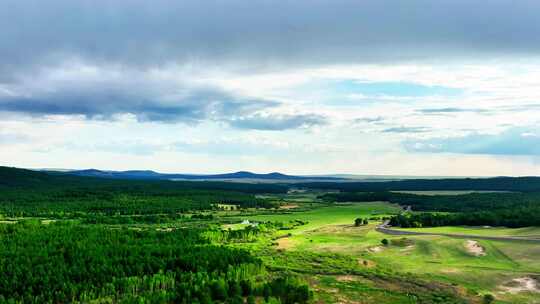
[[399, 87]]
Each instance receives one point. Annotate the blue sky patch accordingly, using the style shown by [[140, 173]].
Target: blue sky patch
[[399, 89]]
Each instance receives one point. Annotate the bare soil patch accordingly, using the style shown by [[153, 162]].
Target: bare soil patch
[[346, 278], [288, 206], [407, 248], [376, 249], [284, 243], [474, 248], [450, 270], [522, 284]]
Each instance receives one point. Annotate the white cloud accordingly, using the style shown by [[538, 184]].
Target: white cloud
[[164, 89]]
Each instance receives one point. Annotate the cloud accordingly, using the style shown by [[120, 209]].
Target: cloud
[[369, 120], [262, 32], [274, 122], [372, 71], [193, 106], [217, 146], [13, 138], [521, 108], [491, 110], [450, 110], [99, 59], [105, 92], [406, 130], [514, 141]]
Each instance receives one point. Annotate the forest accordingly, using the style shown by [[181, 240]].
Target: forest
[[30, 193], [518, 184], [521, 217], [61, 263], [87, 250]]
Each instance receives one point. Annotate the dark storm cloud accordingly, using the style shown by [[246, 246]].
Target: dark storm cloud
[[277, 122], [94, 103], [141, 32], [141, 35], [148, 101]]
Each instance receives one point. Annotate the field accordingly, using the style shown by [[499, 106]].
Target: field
[[322, 216], [532, 232], [330, 230]]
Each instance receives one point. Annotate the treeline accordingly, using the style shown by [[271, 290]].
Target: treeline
[[30, 193], [66, 263], [467, 202], [132, 219], [518, 184], [75, 202], [356, 197], [494, 209], [513, 218], [447, 203]]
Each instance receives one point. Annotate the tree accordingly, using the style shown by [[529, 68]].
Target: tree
[[488, 298], [236, 300], [357, 222], [365, 222], [246, 287], [385, 242], [235, 289], [219, 291]]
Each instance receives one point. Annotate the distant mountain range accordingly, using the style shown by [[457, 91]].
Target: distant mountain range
[[235, 176], [240, 175], [19, 178]]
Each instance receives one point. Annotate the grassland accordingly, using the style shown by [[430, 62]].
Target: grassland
[[334, 215], [330, 231], [532, 232]]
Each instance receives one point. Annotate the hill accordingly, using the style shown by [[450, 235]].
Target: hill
[[11, 178], [240, 175]]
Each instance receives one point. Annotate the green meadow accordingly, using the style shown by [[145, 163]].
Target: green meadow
[[483, 231], [330, 230], [334, 215]]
